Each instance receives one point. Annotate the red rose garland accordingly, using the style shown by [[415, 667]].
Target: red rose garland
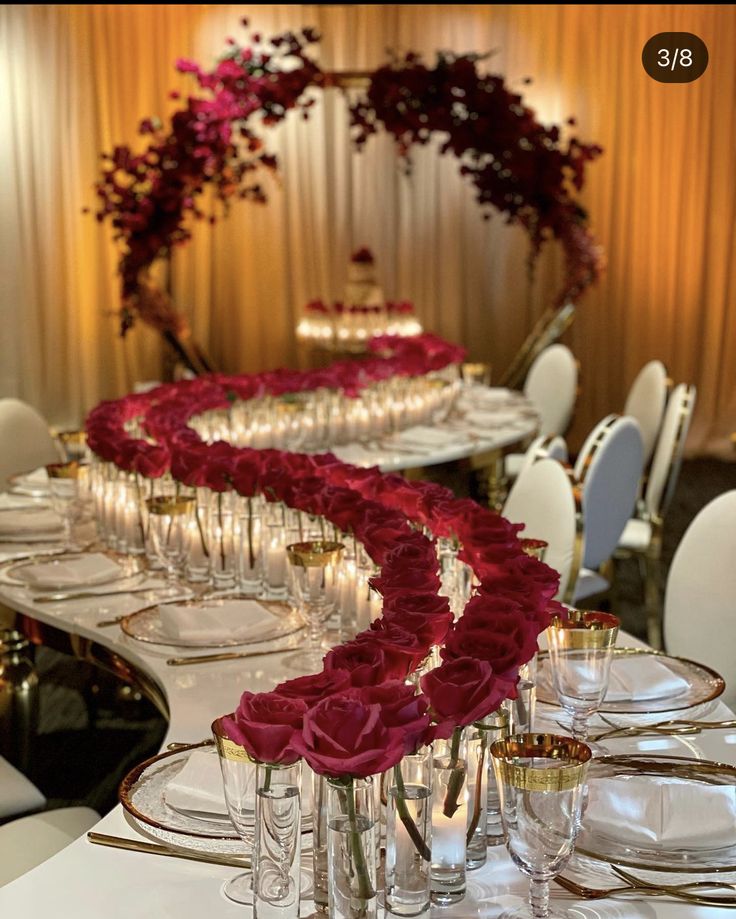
[[482, 651]]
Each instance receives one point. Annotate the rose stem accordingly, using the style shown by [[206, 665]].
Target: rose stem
[[222, 534], [251, 553], [455, 785], [205, 550], [411, 828], [365, 890], [478, 788]]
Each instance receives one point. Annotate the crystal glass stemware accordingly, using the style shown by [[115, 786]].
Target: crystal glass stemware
[[239, 782], [580, 651], [540, 780], [168, 519], [64, 481], [313, 571]]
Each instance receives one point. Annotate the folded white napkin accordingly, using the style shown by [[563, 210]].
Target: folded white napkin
[[22, 522], [638, 809], [37, 477], [214, 620], [78, 572], [642, 677], [9, 501], [198, 786]]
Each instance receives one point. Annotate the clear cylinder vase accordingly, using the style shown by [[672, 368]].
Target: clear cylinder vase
[[496, 726], [522, 709], [409, 836], [319, 842], [351, 849], [250, 571], [223, 542], [478, 754], [197, 566], [277, 846], [449, 819]]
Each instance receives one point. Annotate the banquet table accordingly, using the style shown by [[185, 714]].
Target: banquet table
[[85, 881]]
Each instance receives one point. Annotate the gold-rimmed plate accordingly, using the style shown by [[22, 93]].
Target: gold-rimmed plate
[[125, 572], [143, 795], [697, 684], [148, 626], [700, 840]]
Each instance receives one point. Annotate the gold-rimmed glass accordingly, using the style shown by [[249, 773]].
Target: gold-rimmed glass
[[534, 548], [477, 372], [540, 780], [167, 527], [581, 644], [239, 784], [313, 568]]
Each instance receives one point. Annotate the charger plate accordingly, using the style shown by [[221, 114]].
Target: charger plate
[[131, 570], [660, 856], [704, 684], [143, 795], [146, 625]]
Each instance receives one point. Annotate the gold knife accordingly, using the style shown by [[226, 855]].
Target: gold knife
[[226, 656], [136, 845], [90, 594]]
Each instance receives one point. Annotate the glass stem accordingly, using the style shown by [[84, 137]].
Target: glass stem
[[539, 898], [579, 726]]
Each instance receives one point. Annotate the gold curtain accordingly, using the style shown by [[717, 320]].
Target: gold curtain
[[76, 80]]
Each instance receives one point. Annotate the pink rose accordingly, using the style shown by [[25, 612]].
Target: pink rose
[[266, 724]]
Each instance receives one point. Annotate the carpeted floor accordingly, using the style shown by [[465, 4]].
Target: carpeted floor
[[74, 762]]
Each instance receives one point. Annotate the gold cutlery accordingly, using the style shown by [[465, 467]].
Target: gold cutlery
[[680, 891], [89, 594], [676, 726], [135, 845], [225, 656]]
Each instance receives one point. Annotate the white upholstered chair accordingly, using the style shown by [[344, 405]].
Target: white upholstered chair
[[28, 841], [546, 445], [642, 536], [25, 440], [701, 586], [608, 470], [646, 402], [552, 387], [544, 499], [18, 795]]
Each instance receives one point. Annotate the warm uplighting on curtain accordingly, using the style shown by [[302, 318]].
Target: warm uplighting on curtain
[[76, 80]]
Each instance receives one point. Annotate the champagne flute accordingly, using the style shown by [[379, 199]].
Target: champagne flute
[[540, 781], [313, 570], [581, 646], [239, 783]]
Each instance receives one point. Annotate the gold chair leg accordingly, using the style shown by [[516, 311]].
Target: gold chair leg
[[495, 481]]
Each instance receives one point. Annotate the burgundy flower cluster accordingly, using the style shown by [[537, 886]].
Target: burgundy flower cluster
[[517, 166], [211, 141], [357, 717]]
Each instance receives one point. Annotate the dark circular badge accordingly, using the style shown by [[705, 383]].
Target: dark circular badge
[[675, 57]]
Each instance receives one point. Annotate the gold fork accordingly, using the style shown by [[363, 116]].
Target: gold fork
[[638, 886]]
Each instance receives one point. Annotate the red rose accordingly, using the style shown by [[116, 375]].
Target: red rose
[[397, 642], [367, 662], [427, 615], [543, 578], [345, 737], [493, 630], [152, 462], [266, 724], [401, 707], [463, 691], [315, 687]]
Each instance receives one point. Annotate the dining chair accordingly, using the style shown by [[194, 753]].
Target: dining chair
[[26, 440], [18, 795], [28, 841], [642, 536], [552, 387], [646, 401], [544, 498], [701, 585], [546, 445], [607, 470]]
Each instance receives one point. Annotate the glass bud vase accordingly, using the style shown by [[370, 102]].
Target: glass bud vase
[[478, 753], [409, 836], [351, 849], [496, 727], [277, 845], [449, 819], [319, 841]]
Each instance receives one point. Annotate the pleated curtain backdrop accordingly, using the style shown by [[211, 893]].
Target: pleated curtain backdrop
[[76, 80]]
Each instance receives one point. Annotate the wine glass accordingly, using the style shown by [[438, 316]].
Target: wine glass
[[313, 576], [581, 646], [540, 780], [239, 783], [167, 528], [66, 499]]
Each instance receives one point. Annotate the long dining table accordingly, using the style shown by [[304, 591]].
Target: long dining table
[[87, 881]]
